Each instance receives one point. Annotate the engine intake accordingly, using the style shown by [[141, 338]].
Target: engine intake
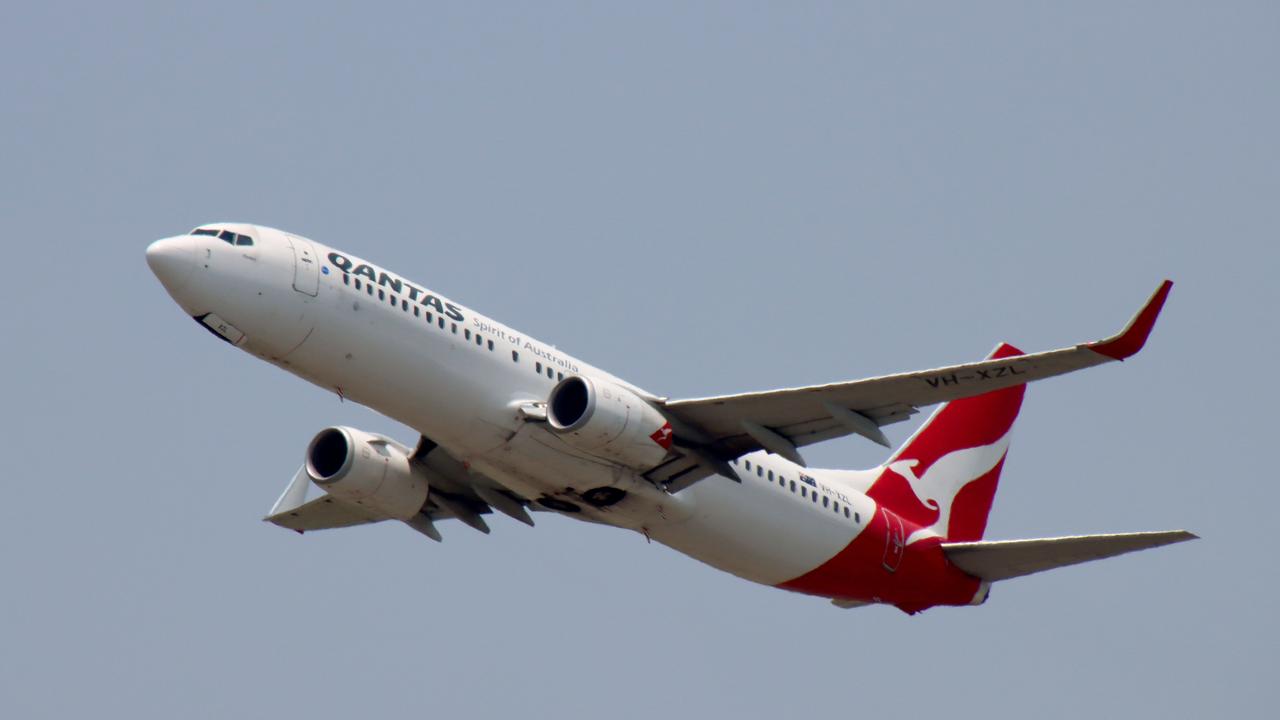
[[570, 404], [608, 421], [366, 470]]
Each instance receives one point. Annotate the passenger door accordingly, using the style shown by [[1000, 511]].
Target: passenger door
[[306, 268]]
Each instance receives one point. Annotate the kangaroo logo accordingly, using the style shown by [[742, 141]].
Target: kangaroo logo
[[944, 479], [663, 436]]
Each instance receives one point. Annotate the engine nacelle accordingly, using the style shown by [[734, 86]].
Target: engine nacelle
[[366, 470], [609, 421]]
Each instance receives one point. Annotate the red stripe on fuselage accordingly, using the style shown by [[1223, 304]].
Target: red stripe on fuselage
[[923, 577]]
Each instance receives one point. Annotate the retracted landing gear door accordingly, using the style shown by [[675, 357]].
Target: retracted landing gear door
[[306, 269]]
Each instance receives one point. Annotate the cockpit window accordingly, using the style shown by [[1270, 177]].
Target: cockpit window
[[226, 236]]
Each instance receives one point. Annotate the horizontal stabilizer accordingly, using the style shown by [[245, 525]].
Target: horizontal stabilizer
[[1004, 559]]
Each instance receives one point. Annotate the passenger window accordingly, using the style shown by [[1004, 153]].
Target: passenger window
[[490, 346], [748, 464], [559, 375], [381, 295], [346, 279], [440, 321], [804, 493], [454, 328], [537, 367], [430, 318], [358, 284], [770, 476], [793, 486], [759, 471], [467, 333], [836, 507], [857, 518], [825, 500], [515, 356], [370, 289], [404, 305], [415, 311], [814, 497], [846, 511], [551, 373], [479, 340]]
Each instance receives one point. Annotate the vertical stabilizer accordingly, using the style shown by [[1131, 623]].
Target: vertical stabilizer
[[944, 477]]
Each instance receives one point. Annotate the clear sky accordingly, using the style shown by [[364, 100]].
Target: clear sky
[[702, 198]]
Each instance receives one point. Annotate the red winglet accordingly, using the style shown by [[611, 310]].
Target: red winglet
[[1130, 340]]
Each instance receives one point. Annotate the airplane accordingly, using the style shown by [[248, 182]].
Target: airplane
[[509, 424]]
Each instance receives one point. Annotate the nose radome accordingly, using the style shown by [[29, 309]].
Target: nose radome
[[172, 260]]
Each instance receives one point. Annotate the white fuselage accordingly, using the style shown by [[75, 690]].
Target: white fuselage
[[461, 379]]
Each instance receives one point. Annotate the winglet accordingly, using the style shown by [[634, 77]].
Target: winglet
[[1130, 340]]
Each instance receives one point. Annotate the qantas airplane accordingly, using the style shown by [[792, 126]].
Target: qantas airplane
[[510, 424]]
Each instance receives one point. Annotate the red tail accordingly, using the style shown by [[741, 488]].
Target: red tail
[[944, 477]]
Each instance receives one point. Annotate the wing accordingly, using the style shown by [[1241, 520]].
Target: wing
[[455, 492], [711, 430], [295, 512]]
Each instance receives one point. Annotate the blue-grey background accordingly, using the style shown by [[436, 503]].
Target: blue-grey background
[[703, 198]]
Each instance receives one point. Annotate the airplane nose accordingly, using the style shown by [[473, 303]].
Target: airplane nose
[[172, 260]]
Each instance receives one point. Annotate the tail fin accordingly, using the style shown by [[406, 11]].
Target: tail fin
[[944, 477]]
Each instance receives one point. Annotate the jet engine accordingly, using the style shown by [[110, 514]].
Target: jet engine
[[608, 421], [366, 470]]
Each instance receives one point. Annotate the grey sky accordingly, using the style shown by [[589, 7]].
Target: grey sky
[[701, 199]]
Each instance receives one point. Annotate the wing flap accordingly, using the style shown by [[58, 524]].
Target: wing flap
[[1004, 559]]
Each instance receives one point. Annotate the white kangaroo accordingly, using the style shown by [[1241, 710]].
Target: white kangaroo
[[944, 479]]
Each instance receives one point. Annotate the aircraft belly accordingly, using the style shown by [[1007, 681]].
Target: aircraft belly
[[547, 468]]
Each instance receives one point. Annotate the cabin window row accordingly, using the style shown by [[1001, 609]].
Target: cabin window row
[[551, 372], [439, 320], [431, 318], [804, 492]]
